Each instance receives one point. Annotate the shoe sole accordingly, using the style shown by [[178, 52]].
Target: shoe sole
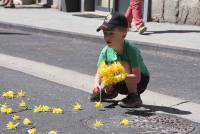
[[143, 30]]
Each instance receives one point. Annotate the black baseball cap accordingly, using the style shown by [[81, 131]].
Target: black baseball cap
[[112, 21]]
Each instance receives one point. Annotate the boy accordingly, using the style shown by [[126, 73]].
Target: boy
[[134, 13], [118, 49]]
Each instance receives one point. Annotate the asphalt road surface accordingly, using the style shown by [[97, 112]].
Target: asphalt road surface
[[171, 74]]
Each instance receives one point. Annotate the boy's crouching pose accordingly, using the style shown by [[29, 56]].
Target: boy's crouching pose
[[118, 49]]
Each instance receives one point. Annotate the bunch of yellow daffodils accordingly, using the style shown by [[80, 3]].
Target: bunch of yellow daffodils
[[112, 74]]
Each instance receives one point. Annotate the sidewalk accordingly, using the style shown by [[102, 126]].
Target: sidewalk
[[159, 34]]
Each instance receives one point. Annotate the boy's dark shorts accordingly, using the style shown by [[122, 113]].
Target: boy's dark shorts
[[141, 87]]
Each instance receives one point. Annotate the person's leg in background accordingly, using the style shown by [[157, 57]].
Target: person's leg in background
[[10, 4], [134, 14]]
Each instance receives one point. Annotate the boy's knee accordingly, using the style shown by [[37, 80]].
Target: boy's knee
[[126, 66]]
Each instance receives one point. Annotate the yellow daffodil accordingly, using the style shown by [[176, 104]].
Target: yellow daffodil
[[98, 124], [11, 125], [52, 132], [26, 121], [32, 131], [37, 109], [22, 104], [45, 108], [16, 117], [4, 108], [76, 106], [98, 105], [112, 74], [57, 111], [21, 93], [9, 111], [124, 122], [8, 94]]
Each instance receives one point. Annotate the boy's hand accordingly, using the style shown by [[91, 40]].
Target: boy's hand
[[96, 90]]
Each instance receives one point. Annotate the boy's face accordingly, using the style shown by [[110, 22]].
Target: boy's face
[[113, 37]]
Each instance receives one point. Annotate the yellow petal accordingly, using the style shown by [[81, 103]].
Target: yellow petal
[[45, 108], [21, 93], [76, 106], [98, 124], [9, 111], [124, 122], [52, 132], [98, 105], [9, 94], [57, 111], [16, 117], [11, 125], [26, 121], [32, 131], [22, 104]]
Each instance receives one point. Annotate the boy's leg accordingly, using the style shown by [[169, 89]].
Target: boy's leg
[[132, 99]]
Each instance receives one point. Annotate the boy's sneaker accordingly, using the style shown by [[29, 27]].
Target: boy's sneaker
[[131, 101], [142, 29], [104, 96]]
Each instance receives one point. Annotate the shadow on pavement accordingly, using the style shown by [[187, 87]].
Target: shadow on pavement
[[4, 33], [171, 31], [150, 110]]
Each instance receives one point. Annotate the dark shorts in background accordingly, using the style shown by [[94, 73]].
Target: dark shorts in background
[[141, 87]]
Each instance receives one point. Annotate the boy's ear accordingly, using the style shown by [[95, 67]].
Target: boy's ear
[[124, 34]]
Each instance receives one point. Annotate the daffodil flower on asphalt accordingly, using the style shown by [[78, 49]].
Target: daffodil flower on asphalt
[[76, 106], [6, 109], [98, 105], [98, 124], [124, 122], [32, 131], [11, 125], [16, 117], [26, 121], [21, 93], [8, 94], [22, 104], [57, 111], [45, 108], [52, 132]]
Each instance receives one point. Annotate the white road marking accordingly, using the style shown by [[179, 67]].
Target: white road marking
[[84, 82]]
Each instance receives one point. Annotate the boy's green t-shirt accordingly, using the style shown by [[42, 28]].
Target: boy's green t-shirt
[[131, 54]]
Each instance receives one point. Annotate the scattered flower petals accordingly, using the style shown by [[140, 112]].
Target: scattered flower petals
[[124, 122], [57, 111], [76, 106], [11, 125], [21, 93], [98, 105], [32, 131], [22, 104], [26, 121], [16, 117], [52, 132], [98, 124]]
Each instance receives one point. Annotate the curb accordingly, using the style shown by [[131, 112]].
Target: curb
[[143, 45]]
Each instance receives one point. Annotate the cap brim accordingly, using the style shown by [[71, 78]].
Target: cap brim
[[105, 26]]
